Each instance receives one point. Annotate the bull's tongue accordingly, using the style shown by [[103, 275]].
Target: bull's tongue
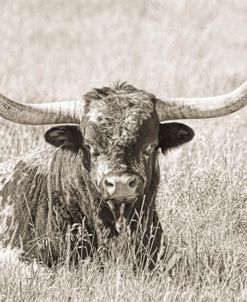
[[118, 213]]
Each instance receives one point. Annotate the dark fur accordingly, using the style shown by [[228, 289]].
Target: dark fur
[[55, 192]]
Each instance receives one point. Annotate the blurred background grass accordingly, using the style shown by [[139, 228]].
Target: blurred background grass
[[62, 48]]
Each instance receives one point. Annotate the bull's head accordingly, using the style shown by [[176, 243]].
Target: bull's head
[[121, 133], [120, 130]]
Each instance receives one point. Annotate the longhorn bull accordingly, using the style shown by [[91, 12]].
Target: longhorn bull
[[99, 183]]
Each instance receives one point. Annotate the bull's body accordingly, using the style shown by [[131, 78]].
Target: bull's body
[[50, 209], [96, 192]]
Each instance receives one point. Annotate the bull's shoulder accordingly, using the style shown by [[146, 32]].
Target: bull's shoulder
[[20, 167], [51, 168]]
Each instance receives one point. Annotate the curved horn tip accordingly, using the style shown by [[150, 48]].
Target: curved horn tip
[[198, 108]]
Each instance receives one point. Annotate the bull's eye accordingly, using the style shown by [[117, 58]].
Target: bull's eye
[[88, 148], [93, 151], [149, 150]]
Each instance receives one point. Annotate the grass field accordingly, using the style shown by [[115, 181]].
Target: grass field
[[51, 50]]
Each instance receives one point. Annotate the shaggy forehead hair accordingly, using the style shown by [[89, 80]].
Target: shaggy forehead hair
[[118, 115]]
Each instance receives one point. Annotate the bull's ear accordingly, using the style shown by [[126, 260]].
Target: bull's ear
[[173, 135], [67, 137]]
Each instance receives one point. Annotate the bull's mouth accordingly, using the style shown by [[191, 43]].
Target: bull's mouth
[[120, 209], [125, 199]]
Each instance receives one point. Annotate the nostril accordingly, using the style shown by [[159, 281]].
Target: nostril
[[108, 183], [133, 182]]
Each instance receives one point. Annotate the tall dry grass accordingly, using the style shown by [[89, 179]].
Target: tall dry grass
[[59, 49]]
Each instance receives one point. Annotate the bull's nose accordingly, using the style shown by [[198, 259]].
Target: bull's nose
[[123, 186]]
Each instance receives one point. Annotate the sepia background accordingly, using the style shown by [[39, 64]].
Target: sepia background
[[57, 49]]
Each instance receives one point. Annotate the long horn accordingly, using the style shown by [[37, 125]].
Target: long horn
[[198, 108], [41, 114]]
